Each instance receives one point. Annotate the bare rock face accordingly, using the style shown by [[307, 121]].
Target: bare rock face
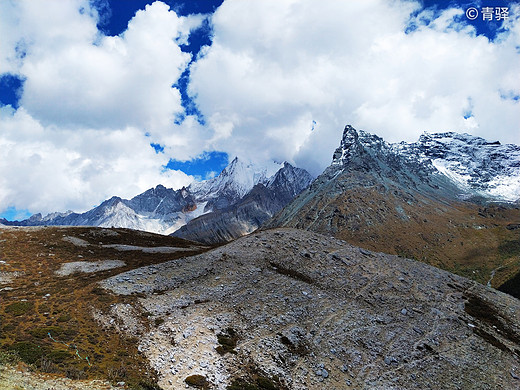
[[297, 310]]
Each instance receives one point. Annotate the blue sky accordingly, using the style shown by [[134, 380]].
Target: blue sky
[[102, 98]]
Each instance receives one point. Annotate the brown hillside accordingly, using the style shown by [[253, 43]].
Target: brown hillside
[[46, 316], [461, 237]]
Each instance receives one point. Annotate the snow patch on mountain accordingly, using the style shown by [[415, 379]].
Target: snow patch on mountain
[[489, 169], [476, 166], [504, 187], [447, 169], [237, 179]]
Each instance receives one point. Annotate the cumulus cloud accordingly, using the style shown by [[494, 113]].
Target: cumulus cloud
[[91, 104], [274, 67], [54, 169], [77, 77]]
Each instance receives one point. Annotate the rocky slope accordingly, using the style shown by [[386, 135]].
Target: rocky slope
[[48, 294], [392, 198], [164, 210], [304, 311]]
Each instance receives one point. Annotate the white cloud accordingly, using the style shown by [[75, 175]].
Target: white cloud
[[91, 104], [77, 77], [276, 66], [49, 169]]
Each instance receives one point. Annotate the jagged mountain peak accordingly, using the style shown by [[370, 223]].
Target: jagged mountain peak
[[450, 136], [473, 166], [476, 165], [236, 177], [360, 151], [233, 183], [112, 201], [349, 144], [233, 217], [359, 148], [160, 188], [157, 191], [293, 180]]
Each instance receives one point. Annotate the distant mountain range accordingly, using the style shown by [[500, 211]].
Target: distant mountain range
[[164, 210]]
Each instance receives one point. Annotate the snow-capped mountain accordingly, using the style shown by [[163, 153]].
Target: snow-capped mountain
[[265, 199], [163, 201], [488, 169], [476, 167], [164, 210], [233, 183]]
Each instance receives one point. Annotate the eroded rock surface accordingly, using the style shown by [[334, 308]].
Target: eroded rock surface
[[305, 311]]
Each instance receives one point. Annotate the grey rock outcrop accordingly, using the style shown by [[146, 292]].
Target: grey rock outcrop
[[318, 313]]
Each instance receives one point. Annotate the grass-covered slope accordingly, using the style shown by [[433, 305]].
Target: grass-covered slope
[[47, 317]]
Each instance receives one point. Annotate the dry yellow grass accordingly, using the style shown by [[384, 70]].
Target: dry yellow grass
[[461, 237], [47, 319]]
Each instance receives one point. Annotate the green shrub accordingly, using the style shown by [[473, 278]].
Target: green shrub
[[227, 341], [59, 355], [197, 381], [9, 328], [159, 321], [30, 353], [266, 383], [19, 308], [42, 333], [64, 318], [144, 384], [240, 384], [259, 383], [69, 334]]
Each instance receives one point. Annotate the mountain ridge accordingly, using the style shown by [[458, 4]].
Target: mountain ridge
[[250, 212], [391, 198], [164, 210]]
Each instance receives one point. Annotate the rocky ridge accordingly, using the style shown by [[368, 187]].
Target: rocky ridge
[[245, 216], [476, 167], [392, 198], [479, 167]]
